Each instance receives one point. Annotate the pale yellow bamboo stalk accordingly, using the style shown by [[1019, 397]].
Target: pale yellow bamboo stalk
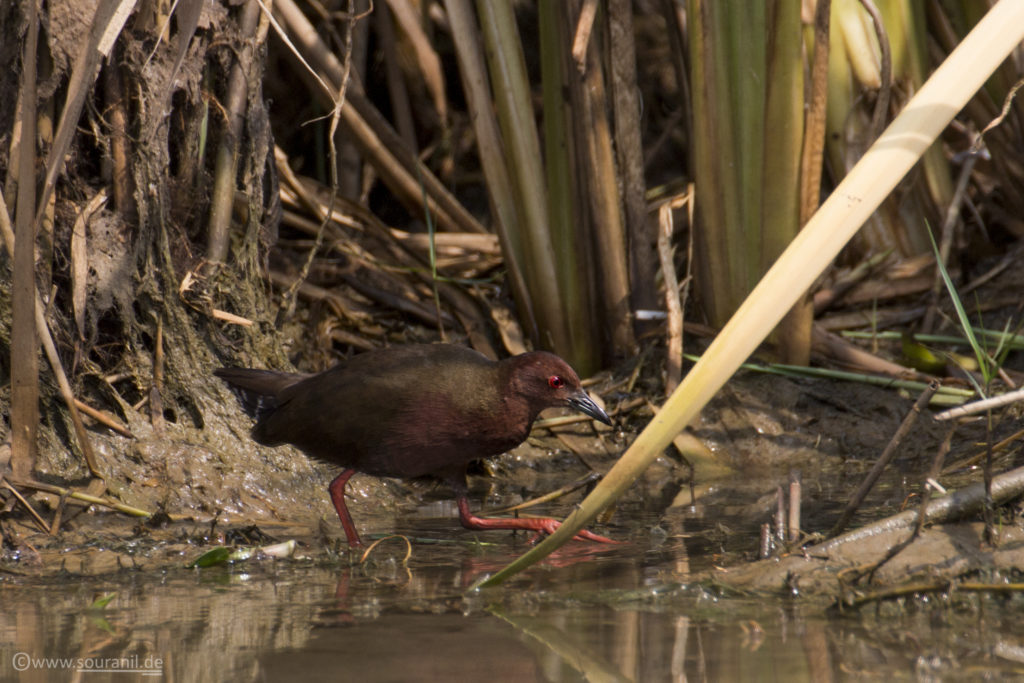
[[840, 216]]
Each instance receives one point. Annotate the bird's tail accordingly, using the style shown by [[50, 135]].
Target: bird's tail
[[257, 390]]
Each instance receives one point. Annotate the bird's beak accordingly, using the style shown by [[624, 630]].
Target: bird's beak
[[582, 402]]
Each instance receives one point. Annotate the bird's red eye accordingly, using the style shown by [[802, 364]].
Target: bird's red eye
[[556, 382]]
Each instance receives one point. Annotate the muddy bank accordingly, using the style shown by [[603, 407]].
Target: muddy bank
[[763, 427]]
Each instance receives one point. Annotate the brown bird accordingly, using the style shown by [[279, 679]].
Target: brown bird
[[412, 411]]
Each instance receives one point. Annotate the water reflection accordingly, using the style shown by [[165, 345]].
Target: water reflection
[[614, 614]]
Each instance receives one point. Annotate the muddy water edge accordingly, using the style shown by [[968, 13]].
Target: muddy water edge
[[110, 598]]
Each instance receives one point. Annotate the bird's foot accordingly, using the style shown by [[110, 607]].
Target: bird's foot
[[544, 526], [549, 525]]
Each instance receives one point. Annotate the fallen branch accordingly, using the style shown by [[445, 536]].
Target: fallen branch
[[981, 406], [84, 497], [955, 505]]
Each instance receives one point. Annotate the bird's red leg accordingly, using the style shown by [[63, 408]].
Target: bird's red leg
[[337, 490], [544, 525]]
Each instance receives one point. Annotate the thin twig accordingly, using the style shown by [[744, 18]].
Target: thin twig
[[84, 497], [104, 419], [885, 89], [547, 497], [931, 476], [371, 132], [883, 460], [408, 548], [65, 390], [999, 447], [946, 237], [674, 351], [1007, 101], [58, 515], [289, 297], [39, 520], [827, 296], [982, 405], [156, 401], [584, 27], [991, 534]]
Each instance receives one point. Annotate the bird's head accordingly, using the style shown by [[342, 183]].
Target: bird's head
[[547, 381]]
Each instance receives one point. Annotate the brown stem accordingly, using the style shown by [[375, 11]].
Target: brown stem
[[885, 89], [226, 169], [42, 331], [24, 344], [883, 461], [674, 353]]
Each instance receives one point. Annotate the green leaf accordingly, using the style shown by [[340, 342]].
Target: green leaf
[[211, 558], [987, 370], [920, 357], [102, 601]]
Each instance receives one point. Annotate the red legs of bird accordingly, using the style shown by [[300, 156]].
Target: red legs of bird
[[337, 491], [542, 525]]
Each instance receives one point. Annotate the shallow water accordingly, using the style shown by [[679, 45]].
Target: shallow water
[[590, 612], [630, 612]]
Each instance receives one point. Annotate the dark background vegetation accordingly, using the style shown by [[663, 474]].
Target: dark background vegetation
[[199, 213]]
